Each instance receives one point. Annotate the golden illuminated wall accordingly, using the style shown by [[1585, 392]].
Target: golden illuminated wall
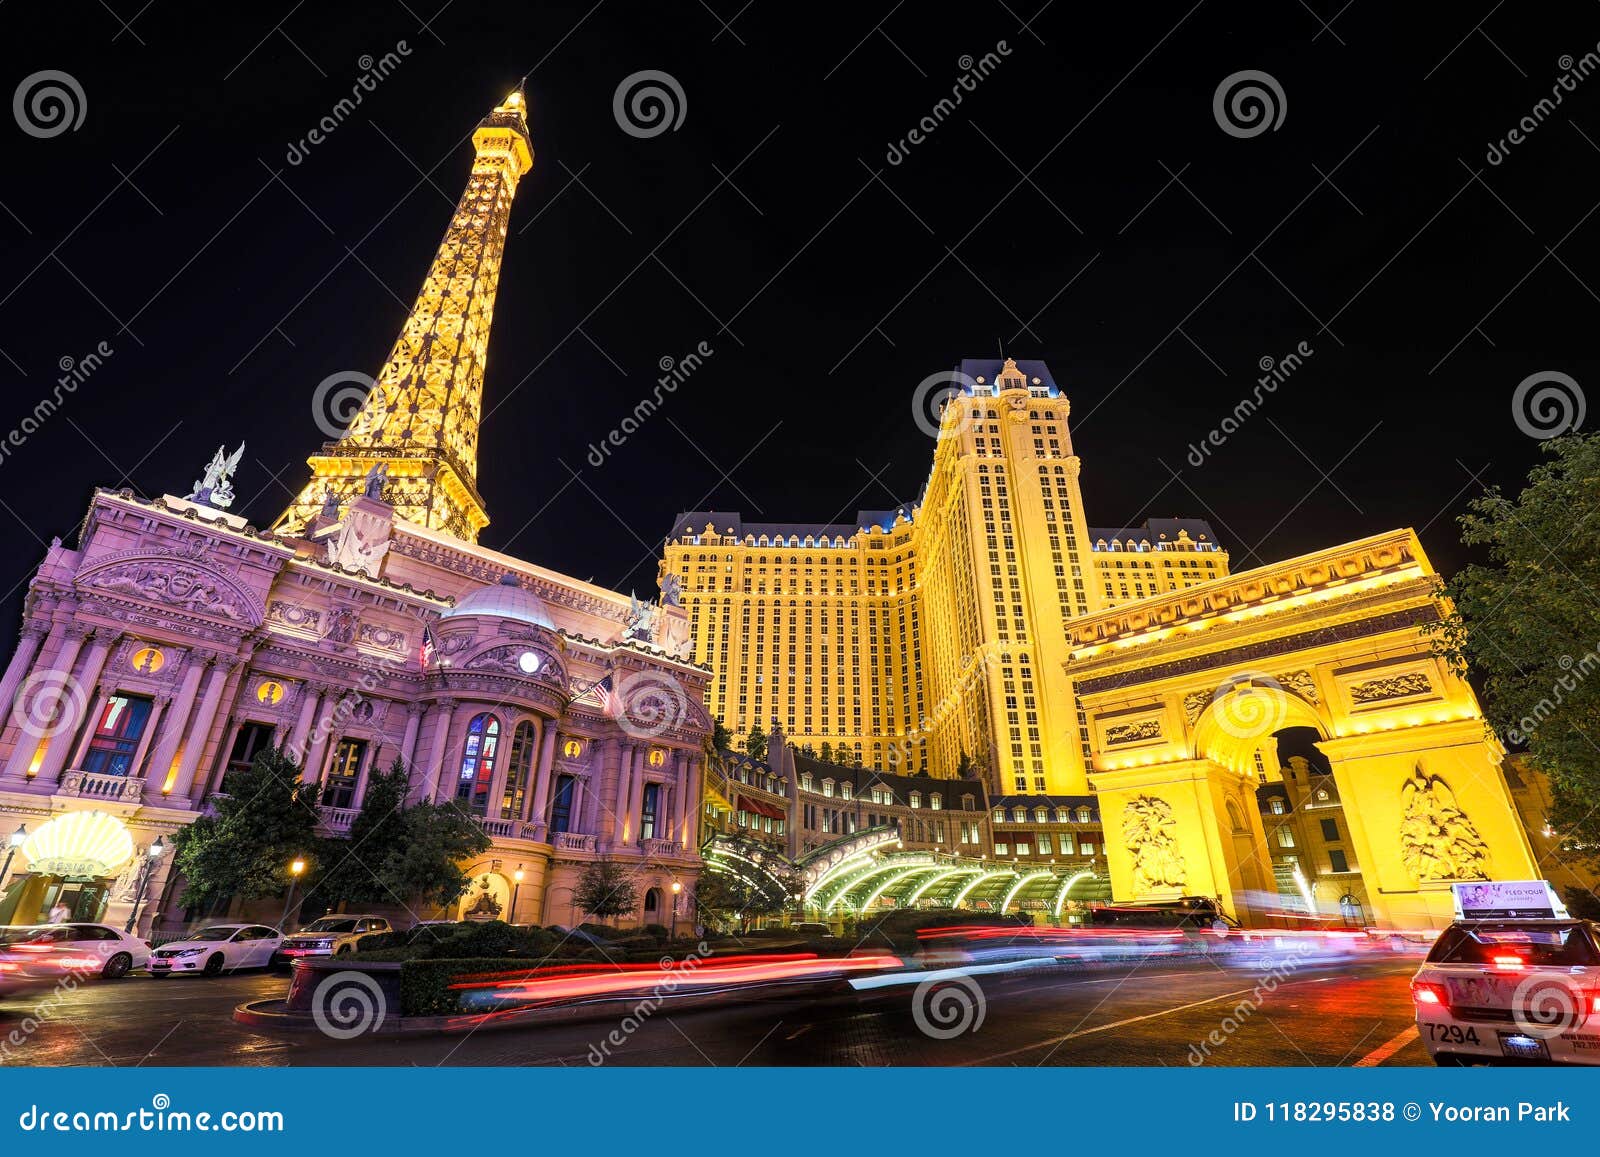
[[945, 634], [421, 418], [1184, 692]]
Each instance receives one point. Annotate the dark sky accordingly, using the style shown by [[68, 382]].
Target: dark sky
[[1083, 205]]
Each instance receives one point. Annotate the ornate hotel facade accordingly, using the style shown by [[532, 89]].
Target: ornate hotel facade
[[173, 641], [988, 629]]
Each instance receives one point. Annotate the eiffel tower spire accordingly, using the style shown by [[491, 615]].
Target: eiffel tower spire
[[420, 420]]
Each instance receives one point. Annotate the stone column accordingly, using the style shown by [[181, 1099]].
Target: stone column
[[55, 756], [680, 773], [627, 787], [177, 720], [408, 745], [151, 726], [539, 809], [200, 733], [432, 768], [321, 732], [309, 694], [693, 806], [21, 659]]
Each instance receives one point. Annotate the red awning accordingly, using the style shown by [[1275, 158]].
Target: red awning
[[759, 807]]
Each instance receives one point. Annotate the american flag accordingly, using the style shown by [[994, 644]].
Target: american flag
[[602, 692], [429, 651]]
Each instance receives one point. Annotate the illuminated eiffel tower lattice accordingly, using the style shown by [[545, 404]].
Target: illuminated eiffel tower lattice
[[420, 420]]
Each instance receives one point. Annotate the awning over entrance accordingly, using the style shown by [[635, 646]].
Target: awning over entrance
[[759, 807]]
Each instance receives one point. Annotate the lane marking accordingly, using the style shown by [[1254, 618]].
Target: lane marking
[[1058, 1040], [1386, 1050]]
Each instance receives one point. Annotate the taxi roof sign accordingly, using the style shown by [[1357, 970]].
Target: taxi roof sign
[[1508, 899]]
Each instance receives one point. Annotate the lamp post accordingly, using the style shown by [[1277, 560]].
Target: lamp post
[[515, 888], [15, 841], [677, 887], [152, 856], [296, 867]]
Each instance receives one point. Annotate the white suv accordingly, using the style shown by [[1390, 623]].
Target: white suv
[[329, 936]]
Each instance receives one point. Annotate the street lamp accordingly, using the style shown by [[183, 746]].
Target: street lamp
[[677, 887], [15, 841], [296, 868], [152, 856], [515, 888]]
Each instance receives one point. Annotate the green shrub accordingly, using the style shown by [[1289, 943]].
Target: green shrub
[[383, 941], [604, 931], [659, 931]]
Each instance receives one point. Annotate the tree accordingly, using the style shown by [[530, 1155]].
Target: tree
[[725, 899], [398, 853], [1527, 624], [721, 737], [755, 744], [827, 752], [243, 848], [965, 768], [605, 890]]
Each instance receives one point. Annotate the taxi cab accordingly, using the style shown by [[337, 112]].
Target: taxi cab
[[1502, 987]]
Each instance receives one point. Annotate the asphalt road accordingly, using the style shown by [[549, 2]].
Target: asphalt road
[[1160, 1013]]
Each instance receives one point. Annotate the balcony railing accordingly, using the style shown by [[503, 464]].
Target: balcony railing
[[662, 848], [574, 842], [89, 785], [339, 819]]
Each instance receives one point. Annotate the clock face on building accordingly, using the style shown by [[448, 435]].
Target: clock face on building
[[528, 661]]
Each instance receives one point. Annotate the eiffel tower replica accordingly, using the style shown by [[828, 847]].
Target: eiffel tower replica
[[419, 422]]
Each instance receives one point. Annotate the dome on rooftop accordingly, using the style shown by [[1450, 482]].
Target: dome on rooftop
[[507, 599]]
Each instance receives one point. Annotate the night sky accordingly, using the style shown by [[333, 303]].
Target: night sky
[[1083, 205]]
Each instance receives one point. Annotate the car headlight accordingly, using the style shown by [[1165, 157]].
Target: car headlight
[[190, 951]]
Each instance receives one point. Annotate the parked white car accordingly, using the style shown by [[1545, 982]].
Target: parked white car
[[328, 936], [92, 949], [217, 949]]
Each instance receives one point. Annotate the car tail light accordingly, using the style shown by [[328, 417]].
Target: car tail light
[[1428, 992], [1510, 963]]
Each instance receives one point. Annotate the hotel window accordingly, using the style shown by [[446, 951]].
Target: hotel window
[[1285, 837], [1330, 829], [561, 806], [520, 774], [827, 788], [1083, 815], [1085, 848], [1337, 861], [478, 763], [935, 801], [251, 739], [116, 735], [1044, 842], [648, 811], [916, 799], [1041, 815], [1001, 849], [339, 788], [1277, 806]]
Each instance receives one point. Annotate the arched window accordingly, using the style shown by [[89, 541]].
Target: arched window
[[1083, 815], [652, 902], [1019, 815], [1041, 815], [1351, 911], [478, 758], [561, 817], [519, 773]]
